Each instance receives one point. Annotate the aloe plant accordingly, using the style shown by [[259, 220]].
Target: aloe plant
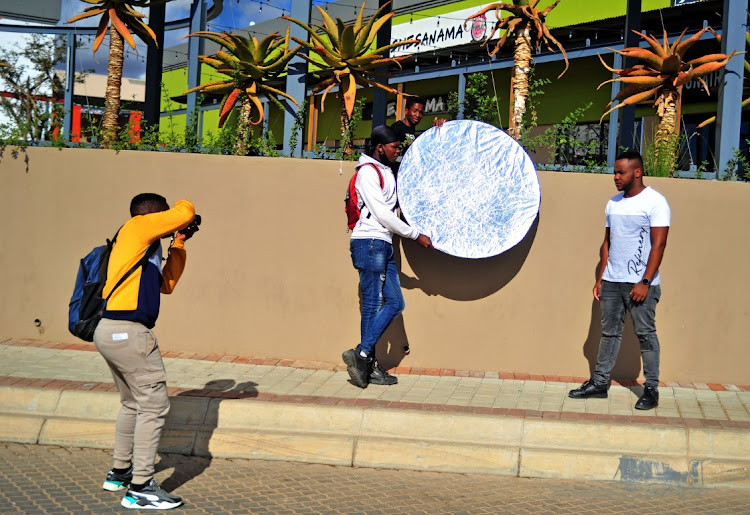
[[528, 25], [661, 72], [249, 65], [344, 57], [120, 18]]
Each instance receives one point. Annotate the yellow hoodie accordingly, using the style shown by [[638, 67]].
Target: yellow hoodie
[[137, 298]]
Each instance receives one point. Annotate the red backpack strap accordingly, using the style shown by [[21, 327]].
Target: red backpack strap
[[380, 174]]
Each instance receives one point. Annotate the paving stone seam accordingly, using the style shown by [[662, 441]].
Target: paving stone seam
[[400, 370], [366, 404]]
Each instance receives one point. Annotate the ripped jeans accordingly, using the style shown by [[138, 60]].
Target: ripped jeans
[[382, 300], [615, 301]]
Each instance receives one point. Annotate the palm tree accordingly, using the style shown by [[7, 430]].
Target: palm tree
[[343, 56], [660, 74], [120, 17], [249, 66], [528, 25]]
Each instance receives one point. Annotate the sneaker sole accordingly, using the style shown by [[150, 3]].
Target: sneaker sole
[[591, 396], [383, 383], [132, 504], [113, 487], [351, 368]]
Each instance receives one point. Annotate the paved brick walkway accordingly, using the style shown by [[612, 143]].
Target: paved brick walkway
[[48, 479], [79, 366]]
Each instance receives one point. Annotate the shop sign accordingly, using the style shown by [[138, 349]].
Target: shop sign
[[444, 31], [694, 91], [435, 105], [677, 3]]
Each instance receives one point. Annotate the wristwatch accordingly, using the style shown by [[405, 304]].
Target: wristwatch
[[645, 281]]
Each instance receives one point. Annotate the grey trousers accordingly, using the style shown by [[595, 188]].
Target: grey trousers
[[132, 353], [615, 300]]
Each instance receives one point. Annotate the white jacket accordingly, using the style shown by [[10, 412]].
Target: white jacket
[[378, 219]]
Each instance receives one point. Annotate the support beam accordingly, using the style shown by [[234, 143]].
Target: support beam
[[295, 79], [312, 123], [461, 94], [400, 102], [613, 117], [154, 59], [380, 97], [70, 81], [195, 48], [627, 113], [729, 115]]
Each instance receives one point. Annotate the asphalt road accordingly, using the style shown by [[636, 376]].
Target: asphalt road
[[44, 479]]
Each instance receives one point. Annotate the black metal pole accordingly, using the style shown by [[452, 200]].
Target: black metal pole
[[154, 60], [627, 113], [380, 97]]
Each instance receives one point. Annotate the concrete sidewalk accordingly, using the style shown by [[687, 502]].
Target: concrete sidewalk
[[230, 406]]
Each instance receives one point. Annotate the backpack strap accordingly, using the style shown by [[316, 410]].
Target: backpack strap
[[382, 182], [380, 174], [150, 250]]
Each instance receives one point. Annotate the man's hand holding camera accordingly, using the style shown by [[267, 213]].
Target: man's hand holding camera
[[187, 232]]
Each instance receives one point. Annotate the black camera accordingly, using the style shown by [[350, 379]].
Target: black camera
[[193, 227]]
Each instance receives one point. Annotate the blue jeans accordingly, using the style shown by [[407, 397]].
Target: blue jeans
[[382, 300], [615, 301]]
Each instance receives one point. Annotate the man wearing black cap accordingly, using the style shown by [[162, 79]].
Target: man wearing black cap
[[372, 254]]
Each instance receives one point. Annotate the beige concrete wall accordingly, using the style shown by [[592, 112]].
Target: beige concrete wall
[[270, 273]]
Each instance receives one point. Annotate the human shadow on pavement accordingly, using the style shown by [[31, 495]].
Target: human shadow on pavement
[[437, 273], [628, 364], [185, 468]]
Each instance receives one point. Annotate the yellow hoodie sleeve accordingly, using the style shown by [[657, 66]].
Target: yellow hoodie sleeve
[[133, 240], [174, 266], [153, 226]]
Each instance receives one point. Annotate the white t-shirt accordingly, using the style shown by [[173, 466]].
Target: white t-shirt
[[630, 221]]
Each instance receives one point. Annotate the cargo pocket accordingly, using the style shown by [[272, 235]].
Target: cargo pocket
[[151, 378]]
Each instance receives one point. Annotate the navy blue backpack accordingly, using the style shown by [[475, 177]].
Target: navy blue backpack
[[87, 304]]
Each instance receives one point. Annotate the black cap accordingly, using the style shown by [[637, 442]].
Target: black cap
[[382, 135]]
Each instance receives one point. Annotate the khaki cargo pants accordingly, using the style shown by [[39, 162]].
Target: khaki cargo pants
[[132, 353]]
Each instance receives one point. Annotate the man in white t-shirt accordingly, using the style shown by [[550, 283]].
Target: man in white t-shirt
[[373, 255], [638, 221]]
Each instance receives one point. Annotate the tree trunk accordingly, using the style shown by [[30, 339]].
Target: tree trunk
[[112, 94], [666, 147], [346, 140], [520, 81], [667, 111], [243, 128]]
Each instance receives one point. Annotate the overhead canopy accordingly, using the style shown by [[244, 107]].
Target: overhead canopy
[[39, 11]]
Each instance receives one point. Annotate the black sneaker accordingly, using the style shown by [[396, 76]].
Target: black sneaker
[[150, 497], [117, 480], [357, 366], [380, 376], [589, 389], [649, 399]]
